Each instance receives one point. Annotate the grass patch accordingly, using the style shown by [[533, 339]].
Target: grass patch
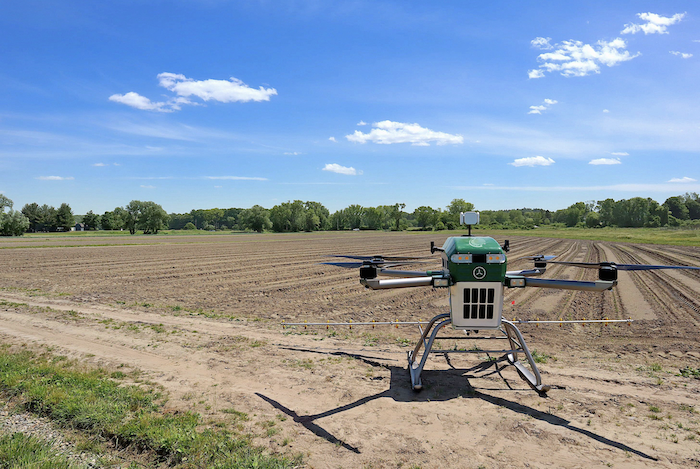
[[21, 451], [126, 415], [689, 372], [542, 357]]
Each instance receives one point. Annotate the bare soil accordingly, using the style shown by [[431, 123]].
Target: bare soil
[[203, 315]]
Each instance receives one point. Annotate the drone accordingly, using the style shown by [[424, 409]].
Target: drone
[[474, 273]]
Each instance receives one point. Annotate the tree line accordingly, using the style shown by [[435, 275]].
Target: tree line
[[293, 216]]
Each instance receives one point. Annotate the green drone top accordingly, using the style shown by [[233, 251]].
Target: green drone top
[[474, 259]]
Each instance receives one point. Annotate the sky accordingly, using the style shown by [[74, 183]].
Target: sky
[[212, 103]]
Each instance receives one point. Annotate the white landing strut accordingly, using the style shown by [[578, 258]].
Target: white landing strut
[[511, 333]]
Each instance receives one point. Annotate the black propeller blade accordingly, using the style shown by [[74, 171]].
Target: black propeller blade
[[614, 265], [538, 257], [355, 265], [382, 258]]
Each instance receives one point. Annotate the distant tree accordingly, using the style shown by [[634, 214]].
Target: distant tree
[[425, 216], [456, 207], [64, 217], [151, 218], [12, 222], [396, 214], [256, 218], [91, 221], [676, 205], [189, 226], [34, 214], [593, 220], [354, 214]]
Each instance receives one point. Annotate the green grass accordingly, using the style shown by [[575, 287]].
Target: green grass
[[21, 451], [128, 416]]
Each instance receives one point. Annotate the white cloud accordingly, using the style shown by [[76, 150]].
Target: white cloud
[[55, 178], [605, 161], [542, 43], [236, 178], [605, 111], [218, 90], [362, 123], [654, 23], [218, 187], [681, 54], [620, 153], [147, 187], [388, 132], [332, 139], [336, 168], [100, 164], [685, 179], [543, 107], [576, 59], [225, 91], [293, 153], [532, 161], [139, 102]]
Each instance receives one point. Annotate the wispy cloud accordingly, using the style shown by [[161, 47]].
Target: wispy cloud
[[542, 43], [102, 165], [576, 59], [336, 168], [682, 180], [542, 107], [332, 139], [388, 132], [293, 153], [236, 178], [605, 161], [362, 123], [682, 55], [620, 153], [147, 187], [654, 24], [605, 111], [532, 161], [224, 91], [55, 178]]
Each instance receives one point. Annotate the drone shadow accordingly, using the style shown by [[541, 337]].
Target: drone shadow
[[439, 385]]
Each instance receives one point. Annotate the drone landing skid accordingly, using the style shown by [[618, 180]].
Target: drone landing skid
[[512, 334]]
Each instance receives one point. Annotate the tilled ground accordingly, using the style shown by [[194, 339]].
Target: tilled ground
[[201, 315]]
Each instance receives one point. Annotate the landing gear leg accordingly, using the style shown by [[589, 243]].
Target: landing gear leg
[[416, 369], [517, 344]]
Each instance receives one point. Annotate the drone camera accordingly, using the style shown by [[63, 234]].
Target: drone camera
[[607, 273], [368, 272]]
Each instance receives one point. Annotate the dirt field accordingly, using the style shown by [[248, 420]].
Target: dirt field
[[201, 316]]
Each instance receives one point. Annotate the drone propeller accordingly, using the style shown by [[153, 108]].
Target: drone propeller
[[538, 257], [382, 258], [372, 262], [598, 265]]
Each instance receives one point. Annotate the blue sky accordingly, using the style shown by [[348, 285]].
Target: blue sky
[[202, 104]]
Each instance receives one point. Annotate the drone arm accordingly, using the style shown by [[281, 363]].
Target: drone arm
[[406, 273], [377, 284], [598, 285]]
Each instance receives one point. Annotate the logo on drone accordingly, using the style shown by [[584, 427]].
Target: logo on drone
[[479, 273]]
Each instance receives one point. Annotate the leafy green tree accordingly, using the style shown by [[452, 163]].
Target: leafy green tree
[[396, 214], [64, 217], [456, 207], [91, 221], [12, 223], [355, 215], [425, 216], [593, 220], [49, 218], [34, 214], [152, 218], [256, 218], [130, 216], [189, 226], [676, 205]]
